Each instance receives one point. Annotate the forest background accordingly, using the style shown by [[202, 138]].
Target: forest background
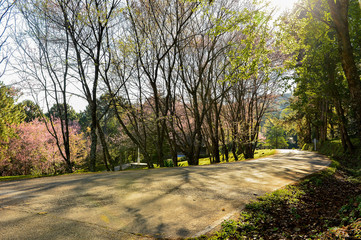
[[174, 81]]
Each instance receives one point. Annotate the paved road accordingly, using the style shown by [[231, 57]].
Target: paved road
[[172, 202]]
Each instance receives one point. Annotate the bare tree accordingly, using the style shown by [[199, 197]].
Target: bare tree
[[45, 68], [256, 82], [153, 28], [5, 15], [87, 23]]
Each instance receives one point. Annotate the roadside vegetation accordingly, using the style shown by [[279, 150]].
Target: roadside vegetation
[[325, 205], [211, 81], [203, 161], [207, 160], [160, 78]]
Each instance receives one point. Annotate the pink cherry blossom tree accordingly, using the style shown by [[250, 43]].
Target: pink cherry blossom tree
[[34, 150]]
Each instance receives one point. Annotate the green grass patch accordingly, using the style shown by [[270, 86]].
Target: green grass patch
[[264, 152], [207, 161], [19, 177], [257, 214]]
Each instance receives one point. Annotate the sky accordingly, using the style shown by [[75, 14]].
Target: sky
[[79, 104], [283, 4]]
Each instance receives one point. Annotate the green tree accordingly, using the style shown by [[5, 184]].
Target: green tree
[[275, 137], [10, 112], [32, 110], [57, 111], [321, 97]]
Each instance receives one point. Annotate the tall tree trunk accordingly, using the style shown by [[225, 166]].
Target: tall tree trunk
[[339, 14], [248, 151], [193, 154], [234, 151], [175, 159], [308, 137], [105, 161], [160, 153], [94, 139], [234, 142], [107, 157], [225, 147], [345, 138], [324, 122], [173, 147], [215, 151]]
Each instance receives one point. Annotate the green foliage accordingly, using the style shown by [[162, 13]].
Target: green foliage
[[32, 111], [229, 231], [355, 28], [57, 111], [331, 148], [307, 147], [351, 212], [250, 55], [288, 195], [168, 163], [10, 112], [308, 36], [275, 138], [278, 131], [256, 213], [350, 163], [264, 153]]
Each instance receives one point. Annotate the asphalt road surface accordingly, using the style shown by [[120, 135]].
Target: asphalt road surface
[[157, 203]]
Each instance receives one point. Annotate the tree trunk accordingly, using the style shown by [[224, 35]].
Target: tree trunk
[[308, 137], [323, 127], [173, 149], [234, 151], [107, 157], [93, 149], [346, 142], [175, 159], [248, 151], [105, 161], [223, 139], [339, 14], [160, 154], [215, 151], [94, 138], [191, 158], [160, 143], [345, 138], [198, 147]]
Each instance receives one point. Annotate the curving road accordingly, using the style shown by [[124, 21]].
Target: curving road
[[170, 203]]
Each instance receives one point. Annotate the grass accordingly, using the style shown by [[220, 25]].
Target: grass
[[22, 177], [257, 213], [258, 154], [19, 177]]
